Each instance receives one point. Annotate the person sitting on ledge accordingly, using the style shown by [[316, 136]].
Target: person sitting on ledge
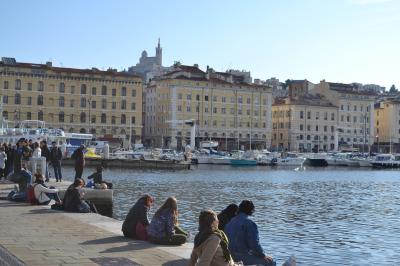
[[98, 177], [23, 178], [73, 198], [244, 238], [226, 215], [210, 244], [136, 222], [164, 228], [43, 194]]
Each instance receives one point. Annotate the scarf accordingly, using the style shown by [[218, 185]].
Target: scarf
[[202, 236]]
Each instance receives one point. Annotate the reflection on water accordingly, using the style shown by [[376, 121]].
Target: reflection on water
[[330, 216]]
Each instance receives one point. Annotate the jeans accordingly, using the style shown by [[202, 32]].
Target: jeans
[[84, 207], [176, 239], [78, 172], [57, 170], [2, 173], [249, 259]]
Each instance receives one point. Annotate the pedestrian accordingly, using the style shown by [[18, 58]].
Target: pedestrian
[[46, 154], [10, 157], [37, 151], [243, 238], [55, 160], [210, 243], [137, 221], [164, 227], [79, 161], [226, 215], [3, 159]]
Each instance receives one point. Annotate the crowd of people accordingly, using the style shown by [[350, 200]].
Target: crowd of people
[[229, 238]]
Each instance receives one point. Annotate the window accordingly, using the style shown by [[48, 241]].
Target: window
[[308, 115], [93, 120], [223, 110], [189, 97], [354, 119], [113, 120], [232, 99], [61, 87], [29, 100], [61, 101], [308, 128], [40, 100], [61, 117], [215, 110], [40, 86], [114, 92], [223, 99], [6, 85], [83, 117], [83, 89], [206, 98], [133, 106], [133, 120], [17, 98], [83, 102], [180, 108], [104, 104], [17, 84], [28, 115], [114, 105], [326, 116], [29, 86], [123, 119], [71, 119], [188, 109], [205, 109], [215, 98], [123, 104], [240, 100], [301, 114], [72, 89], [94, 91], [325, 128], [40, 115], [332, 116], [348, 118], [103, 118], [248, 100], [316, 128], [93, 103], [348, 109], [355, 107], [123, 91], [197, 97], [104, 90], [301, 127], [71, 103], [5, 99], [133, 93]]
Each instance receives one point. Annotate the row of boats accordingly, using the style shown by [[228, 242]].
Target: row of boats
[[296, 159]]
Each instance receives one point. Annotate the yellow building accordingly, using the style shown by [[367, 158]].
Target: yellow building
[[387, 125], [303, 122], [105, 103], [355, 113], [226, 109]]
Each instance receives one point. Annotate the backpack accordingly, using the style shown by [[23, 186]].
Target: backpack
[[30, 195]]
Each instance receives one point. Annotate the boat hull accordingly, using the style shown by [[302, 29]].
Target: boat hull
[[243, 162], [317, 162]]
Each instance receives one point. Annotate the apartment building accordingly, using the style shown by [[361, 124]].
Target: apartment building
[[387, 125], [105, 103], [224, 107]]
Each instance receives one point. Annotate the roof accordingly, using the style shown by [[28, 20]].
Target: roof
[[93, 71], [307, 99], [348, 88], [192, 69]]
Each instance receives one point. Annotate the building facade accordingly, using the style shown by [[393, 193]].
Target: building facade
[[105, 103], [304, 122], [387, 125], [355, 113], [234, 114]]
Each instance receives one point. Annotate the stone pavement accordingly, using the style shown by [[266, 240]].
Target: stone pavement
[[37, 235]]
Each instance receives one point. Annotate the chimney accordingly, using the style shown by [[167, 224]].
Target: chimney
[[49, 64], [196, 65]]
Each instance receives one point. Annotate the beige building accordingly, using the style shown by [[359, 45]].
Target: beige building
[[226, 109], [387, 125], [105, 103], [303, 122], [355, 113]]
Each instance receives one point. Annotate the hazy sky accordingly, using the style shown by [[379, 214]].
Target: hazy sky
[[336, 40]]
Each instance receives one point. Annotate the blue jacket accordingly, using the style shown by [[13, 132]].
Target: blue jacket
[[243, 236]]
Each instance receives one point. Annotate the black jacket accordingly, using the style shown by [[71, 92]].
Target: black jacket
[[55, 154], [72, 200], [137, 214], [46, 153]]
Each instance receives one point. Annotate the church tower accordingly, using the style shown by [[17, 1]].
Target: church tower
[[159, 53]]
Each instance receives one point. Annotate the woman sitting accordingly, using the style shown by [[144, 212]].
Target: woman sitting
[[164, 228], [136, 222], [73, 198], [43, 194], [225, 216], [210, 244]]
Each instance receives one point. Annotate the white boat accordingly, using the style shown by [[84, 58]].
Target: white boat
[[208, 144], [220, 160], [386, 161], [290, 159]]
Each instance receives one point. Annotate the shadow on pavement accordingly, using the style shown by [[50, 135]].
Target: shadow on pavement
[[180, 262], [130, 244]]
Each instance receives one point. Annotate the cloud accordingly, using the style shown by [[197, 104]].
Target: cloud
[[368, 2]]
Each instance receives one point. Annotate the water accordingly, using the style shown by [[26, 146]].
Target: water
[[328, 216]]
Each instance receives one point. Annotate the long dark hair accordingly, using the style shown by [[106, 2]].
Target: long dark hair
[[206, 220], [172, 205], [77, 183]]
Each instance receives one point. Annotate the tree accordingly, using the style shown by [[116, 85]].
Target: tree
[[393, 88]]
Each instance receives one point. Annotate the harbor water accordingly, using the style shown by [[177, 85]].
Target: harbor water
[[323, 216]]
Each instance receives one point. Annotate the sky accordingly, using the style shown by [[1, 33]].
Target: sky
[[336, 40]]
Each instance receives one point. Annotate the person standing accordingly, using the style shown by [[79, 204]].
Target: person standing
[[3, 159], [79, 161], [55, 160], [46, 154], [243, 237]]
